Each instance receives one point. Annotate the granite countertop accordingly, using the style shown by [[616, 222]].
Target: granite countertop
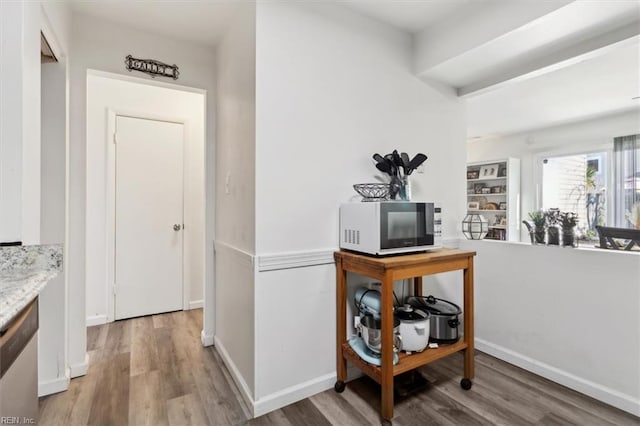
[[24, 272]]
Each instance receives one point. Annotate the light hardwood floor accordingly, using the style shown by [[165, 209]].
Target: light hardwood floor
[[154, 371]]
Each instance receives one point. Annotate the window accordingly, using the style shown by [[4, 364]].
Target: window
[[626, 151], [577, 183], [584, 183]]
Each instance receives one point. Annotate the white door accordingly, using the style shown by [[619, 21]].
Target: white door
[[148, 217]]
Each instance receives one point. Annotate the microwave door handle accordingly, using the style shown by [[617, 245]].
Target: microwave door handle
[[429, 219]]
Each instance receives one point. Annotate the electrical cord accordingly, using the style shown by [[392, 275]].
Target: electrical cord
[[404, 288], [396, 297]]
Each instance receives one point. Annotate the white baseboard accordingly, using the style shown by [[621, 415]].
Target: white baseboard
[[293, 394], [77, 370], [196, 304], [206, 338], [281, 398], [97, 320], [237, 377], [594, 390], [56, 385]]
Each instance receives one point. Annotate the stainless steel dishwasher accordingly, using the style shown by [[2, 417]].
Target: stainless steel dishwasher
[[19, 368]]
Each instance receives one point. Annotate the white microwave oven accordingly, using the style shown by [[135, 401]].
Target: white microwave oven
[[390, 227]]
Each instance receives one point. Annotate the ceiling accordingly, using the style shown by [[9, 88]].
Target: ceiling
[[597, 86], [410, 15], [530, 73], [569, 25], [201, 22], [204, 21]]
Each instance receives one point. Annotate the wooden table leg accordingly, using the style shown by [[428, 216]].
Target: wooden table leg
[[341, 324], [468, 321], [417, 286], [387, 347]]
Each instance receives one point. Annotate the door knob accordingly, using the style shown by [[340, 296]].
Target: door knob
[[176, 227]]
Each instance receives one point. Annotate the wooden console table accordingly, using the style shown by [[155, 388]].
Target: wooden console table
[[388, 270]]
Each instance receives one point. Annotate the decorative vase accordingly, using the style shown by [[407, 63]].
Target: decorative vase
[[405, 188], [539, 234], [395, 188], [553, 235], [569, 237]]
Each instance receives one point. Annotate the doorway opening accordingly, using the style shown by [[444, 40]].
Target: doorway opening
[[145, 197]]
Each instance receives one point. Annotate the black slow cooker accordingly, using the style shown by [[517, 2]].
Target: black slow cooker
[[444, 317]]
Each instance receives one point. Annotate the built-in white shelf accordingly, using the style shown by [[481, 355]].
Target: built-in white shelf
[[505, 178]]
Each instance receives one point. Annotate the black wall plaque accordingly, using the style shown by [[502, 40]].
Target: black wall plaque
[[152, 67]]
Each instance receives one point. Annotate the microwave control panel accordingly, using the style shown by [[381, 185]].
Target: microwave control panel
[[437, 222]]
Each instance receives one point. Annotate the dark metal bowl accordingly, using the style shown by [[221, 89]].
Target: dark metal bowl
[[372, 191]]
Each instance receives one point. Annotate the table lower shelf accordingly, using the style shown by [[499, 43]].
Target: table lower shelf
[[406, 362]]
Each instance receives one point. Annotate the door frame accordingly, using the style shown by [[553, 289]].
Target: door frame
[[110, 228]]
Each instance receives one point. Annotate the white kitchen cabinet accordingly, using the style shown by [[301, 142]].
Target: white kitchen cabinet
[[493, 190]]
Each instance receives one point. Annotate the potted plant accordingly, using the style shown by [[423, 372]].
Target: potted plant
[[568, 221], [552, 217], [539, 222]]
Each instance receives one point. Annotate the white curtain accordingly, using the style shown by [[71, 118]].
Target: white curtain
[[626, 151]]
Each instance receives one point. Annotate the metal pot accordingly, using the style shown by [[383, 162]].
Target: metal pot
[[371, 331], [414, 328], [444, 317]]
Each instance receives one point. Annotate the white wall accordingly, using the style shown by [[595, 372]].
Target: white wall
[[571, 315], [235, 315], [295, 334], [20, 112], [31, 124], [52, 362], [236, 116], [588, 135], [53, 358], [332, 88], [235, 196], [103, 46], [329, 98], [10, 121], [108, 93], [32, 158]]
